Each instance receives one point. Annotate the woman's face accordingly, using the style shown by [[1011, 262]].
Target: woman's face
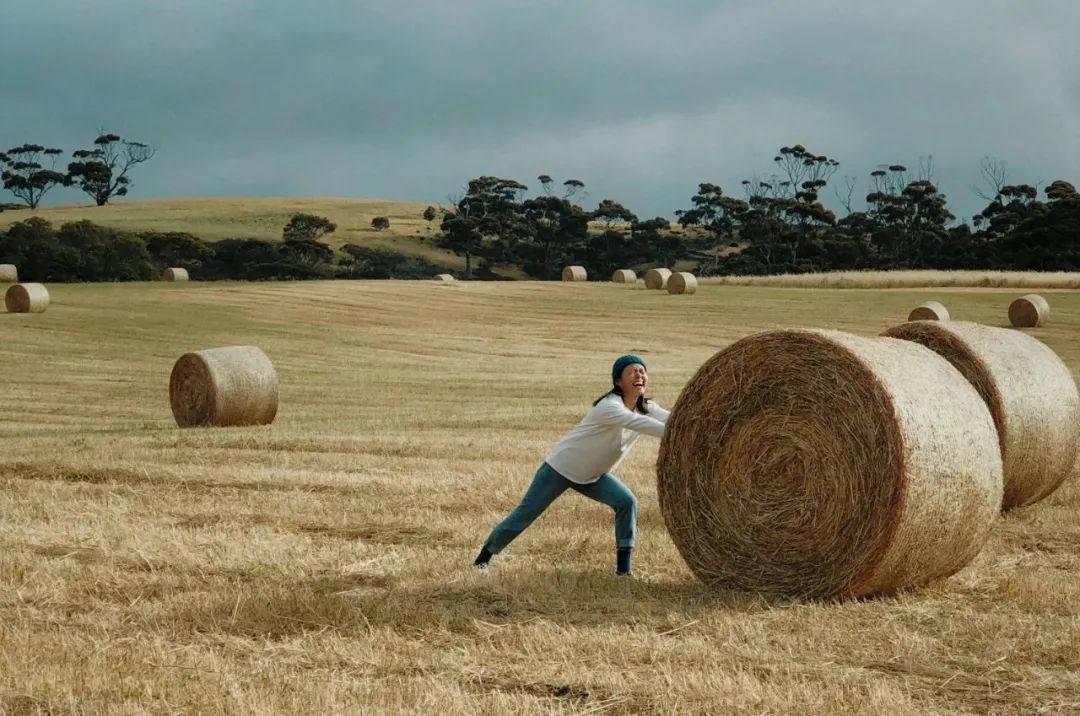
[[633, 380]]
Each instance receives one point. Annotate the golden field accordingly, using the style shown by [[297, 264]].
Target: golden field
[[908, 279], [321, 564]]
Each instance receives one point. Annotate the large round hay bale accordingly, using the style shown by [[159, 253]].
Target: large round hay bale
[[574, 273], [822, 464], [682, 282], [235, 385], [929, 311], [9, 273], [657, 278], [1030, 311], [624, 276], [445, 278], [1031, 395], [175, 274], [26, 298]]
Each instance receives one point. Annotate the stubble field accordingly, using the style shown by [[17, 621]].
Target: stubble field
[[320, 565]]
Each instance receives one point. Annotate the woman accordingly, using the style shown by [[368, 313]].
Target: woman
[[583, 459]]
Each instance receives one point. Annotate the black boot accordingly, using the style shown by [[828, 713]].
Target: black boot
[[622, 562], [482, 559]]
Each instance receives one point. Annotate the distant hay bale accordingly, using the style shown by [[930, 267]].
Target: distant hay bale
[[235, 385], [1029, 391], [9, 273], [445, 278], [929, 311], [657, 278], [26, 298], [175, 274], [682, 282], [624, 276], [574, 273], [822, 464], [1030, 311]]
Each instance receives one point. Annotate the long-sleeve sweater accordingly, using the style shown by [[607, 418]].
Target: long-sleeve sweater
[[603, 438]]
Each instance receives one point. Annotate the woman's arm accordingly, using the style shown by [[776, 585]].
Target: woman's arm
[[659, 413], [613, 412]]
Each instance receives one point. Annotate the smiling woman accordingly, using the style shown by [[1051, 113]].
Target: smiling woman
[[584, 458]]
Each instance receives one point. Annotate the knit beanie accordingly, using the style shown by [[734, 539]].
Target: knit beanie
[[620, 364]]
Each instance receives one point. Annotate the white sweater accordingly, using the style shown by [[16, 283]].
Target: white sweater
[[603, 437]]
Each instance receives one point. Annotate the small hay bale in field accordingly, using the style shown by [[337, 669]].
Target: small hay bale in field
[[9, 273], [1030, 311], [175, 274], [235, 385], [682, 282], [657, 278], [445, 278], [1031, 395], [574, 273], [26, 298], [822, 464], [929, 311], [624, 276]]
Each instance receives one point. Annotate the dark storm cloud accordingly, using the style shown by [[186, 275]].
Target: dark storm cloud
[[411, 99]]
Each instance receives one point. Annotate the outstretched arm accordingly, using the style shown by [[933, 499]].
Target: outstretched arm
[[615, 413]]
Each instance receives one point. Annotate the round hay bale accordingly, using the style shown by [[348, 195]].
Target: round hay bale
[[235, 385], [929, 311], [445, 278], [175, 274], [9, 273], [1030, 311], [682, 282], [574, 273], [624, 276], [657, 278], [823, 464], [1029, 391], [26, 298]]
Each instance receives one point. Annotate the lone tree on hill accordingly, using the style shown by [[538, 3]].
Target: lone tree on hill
[[25, 177], [102, 172], [307, 227], [430, 213]]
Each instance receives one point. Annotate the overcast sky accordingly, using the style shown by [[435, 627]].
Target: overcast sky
[[639, 100]]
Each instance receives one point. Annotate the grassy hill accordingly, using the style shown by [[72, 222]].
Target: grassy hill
[[320, 564], [212, 218]]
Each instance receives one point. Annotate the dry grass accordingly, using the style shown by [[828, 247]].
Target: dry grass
[[318, 565], [908, 279]]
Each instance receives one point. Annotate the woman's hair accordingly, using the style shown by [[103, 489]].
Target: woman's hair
[[642, 402]]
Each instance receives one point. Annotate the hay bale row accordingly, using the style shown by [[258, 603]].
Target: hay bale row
[[1029, 391], [624, 276], [656, 279], [682, 283], [823, 464], [175, 274], [235, 385], [574, 273], [9, 273], [26, 298], [1030, 311]]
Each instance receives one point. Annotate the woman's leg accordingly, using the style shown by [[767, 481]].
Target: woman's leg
[[546, 485], [611, 491]]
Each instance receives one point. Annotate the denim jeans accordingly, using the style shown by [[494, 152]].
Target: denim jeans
[[548, 484]]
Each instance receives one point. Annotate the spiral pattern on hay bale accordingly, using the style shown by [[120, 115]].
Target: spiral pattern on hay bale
[[1030, 393], [929, 311], [234, 385], [26, 298], [822, 464], [1030, 311], [657, 278], [682, 282]]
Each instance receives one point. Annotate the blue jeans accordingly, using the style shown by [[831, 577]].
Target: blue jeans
[[548, 484]]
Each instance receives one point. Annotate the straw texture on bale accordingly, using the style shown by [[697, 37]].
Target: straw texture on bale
[[657, 278], [26, 298], [682, 282], [235, 385], [1029, 391], [445, 278], [624, 276], [822, 464], [574, 273], [1030, 311], [175, 274], [929, 311], [9, 273]]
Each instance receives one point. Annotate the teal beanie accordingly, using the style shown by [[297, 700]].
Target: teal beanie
[[620, 364]]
